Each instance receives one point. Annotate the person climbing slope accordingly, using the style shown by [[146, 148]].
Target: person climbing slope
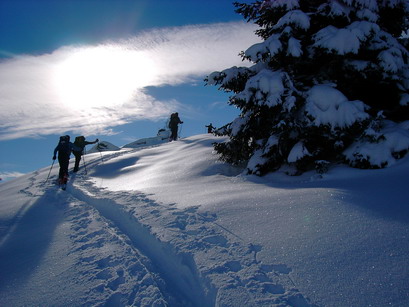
[[64, 149], [80, 143], [173, 125], [210, 128]]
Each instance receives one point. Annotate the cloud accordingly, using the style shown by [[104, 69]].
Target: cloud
[[91, 89]]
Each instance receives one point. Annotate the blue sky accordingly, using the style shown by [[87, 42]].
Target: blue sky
[[112, 70]]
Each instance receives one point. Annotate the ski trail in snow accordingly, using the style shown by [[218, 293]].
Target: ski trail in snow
[[119, 273], [198, 261], [181, 284]]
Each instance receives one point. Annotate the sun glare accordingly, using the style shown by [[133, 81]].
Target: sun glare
[[103, 76]]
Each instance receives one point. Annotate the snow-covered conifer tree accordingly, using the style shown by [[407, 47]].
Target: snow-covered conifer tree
[[329, 82]]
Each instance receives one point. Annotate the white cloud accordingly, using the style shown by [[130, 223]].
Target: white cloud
[[91, 89]]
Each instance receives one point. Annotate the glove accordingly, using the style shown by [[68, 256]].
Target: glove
[[54, 157]]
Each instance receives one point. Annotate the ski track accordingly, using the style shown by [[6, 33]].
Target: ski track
[[132, 251]]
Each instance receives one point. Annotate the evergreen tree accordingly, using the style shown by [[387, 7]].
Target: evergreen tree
[[328, 78]]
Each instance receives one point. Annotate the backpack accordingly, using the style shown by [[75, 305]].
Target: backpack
[[173, 120], [64, 145], [79, 141]]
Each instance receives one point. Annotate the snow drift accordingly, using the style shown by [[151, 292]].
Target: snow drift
[[170, 225]]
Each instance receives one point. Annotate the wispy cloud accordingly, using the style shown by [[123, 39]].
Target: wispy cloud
[[91, 89]]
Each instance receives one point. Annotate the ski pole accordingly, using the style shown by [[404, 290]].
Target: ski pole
[[49, 172], [180, 130], [83, 160]]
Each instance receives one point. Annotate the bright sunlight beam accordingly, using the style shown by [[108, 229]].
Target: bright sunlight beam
[[102, 76]]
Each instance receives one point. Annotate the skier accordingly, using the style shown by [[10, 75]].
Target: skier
[[64, 149], [80, 143], [173, 125], [209, 128]]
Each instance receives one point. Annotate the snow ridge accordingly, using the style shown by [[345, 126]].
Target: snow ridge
[[172, 226], [125, 249]]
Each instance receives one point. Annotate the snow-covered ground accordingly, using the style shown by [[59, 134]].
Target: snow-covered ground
[[169, 225]]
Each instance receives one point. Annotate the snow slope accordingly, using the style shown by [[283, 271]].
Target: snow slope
[[171, 226]]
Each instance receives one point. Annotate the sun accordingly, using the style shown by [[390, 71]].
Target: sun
[[102, 76]]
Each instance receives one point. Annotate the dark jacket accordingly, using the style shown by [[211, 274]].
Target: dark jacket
[[64, 149], [174, 121]]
